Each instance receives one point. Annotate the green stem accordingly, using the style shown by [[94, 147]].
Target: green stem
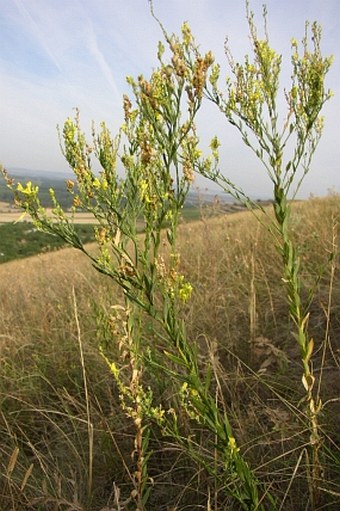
[[300, 318]]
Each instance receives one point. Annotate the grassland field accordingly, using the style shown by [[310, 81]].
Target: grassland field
[[237, 316], [18, 238]]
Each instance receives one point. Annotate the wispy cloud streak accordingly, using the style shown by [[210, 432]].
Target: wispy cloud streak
[[93, 46], [37, 33]]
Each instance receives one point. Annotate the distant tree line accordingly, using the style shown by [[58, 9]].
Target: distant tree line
[[45, 184]]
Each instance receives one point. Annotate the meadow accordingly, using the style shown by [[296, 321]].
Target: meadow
[[67, 444]]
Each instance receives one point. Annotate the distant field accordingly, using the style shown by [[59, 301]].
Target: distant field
[[19, 239], [9, 214], [23, 240]]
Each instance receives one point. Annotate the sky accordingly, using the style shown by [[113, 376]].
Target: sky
[[58, 55]]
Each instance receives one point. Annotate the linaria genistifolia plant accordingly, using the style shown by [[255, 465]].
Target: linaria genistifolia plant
[[285, 148], [157, 147]]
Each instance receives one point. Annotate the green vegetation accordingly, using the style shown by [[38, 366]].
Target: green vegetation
[[205, 333], [24, 240]]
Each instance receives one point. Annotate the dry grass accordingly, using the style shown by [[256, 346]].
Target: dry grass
[[67, 445]]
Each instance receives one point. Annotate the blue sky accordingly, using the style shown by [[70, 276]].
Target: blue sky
[[56, 55]]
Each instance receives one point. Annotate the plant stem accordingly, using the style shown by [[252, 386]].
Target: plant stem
[[300, 317]]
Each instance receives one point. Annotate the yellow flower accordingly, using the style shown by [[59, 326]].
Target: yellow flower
[[185, 291], [20, 188], [144, 189], [169, 215], [28, 190], [215, 144], [96, 183], [232, 445], [186, 34], [158, 413]]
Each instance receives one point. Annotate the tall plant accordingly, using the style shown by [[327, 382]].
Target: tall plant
[[285, 147], [157, 147]]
